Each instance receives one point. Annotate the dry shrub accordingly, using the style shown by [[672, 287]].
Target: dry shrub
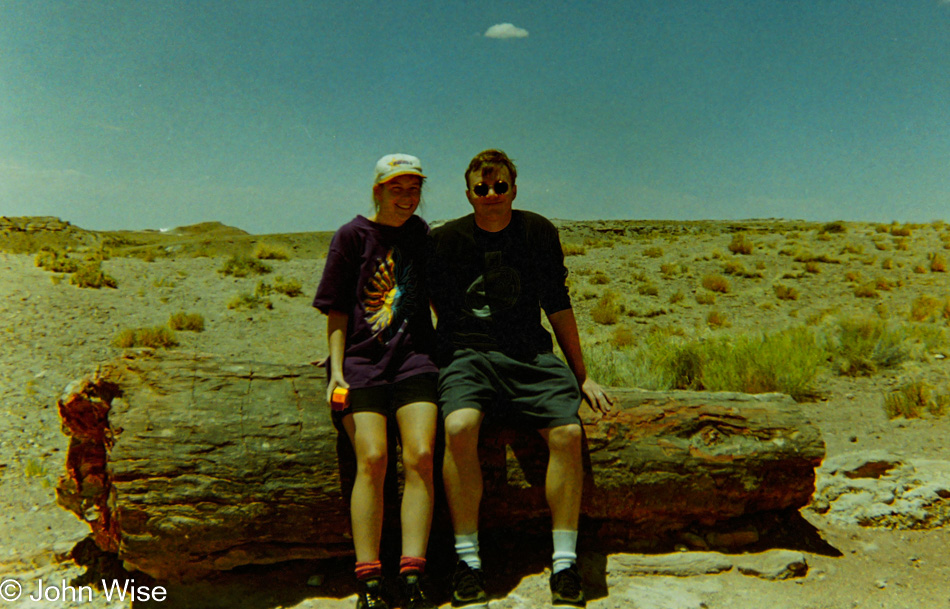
[[784, 292], [242, 266], [853, 248], [599, 278], [648, 289], [882, 245], [866, 290], [913, 399], [741, 244], [91, 276], [189, 322], [622, 336], [938, 264], [676, 297], [716, 283], [715, 319], [55, 261], [900, 231], [838, 226], [573, 249], [268, 251], [862, 346], [812, 267], [809, 257], [920, 269], [852, 276], [607, 310], [155, 338], [669, 269], [653, 252], [288, 287], [882, 283], [704, 297], [249, 301], [902, 245], [733, 267], [887, 264], [924, 308]]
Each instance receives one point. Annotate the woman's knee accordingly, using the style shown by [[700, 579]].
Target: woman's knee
[[418, 459], [372, 461]]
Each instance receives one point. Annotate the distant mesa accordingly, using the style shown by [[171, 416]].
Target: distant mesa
[[206, 228]]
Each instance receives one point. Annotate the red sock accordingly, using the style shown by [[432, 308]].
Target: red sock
[[411, 563], [366, 570]]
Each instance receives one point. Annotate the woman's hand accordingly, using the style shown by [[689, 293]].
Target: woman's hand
[[335, 381]]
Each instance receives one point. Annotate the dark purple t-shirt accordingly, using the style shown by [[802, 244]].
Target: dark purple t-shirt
[[375, 274]]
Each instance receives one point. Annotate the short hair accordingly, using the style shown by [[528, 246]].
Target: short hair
[[491, 160]]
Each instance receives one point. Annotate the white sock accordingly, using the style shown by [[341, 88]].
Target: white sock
[[565, 550], [466, 546]]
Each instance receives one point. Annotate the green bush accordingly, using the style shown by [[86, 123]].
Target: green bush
[[862, 346], [91, 276]]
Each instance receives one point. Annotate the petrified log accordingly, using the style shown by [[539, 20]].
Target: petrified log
[[184, 463]]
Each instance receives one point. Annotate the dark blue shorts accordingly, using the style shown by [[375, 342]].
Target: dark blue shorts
[[539, 393]]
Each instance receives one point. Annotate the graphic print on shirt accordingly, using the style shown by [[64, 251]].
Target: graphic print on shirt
[[389, 297], [496, 290]]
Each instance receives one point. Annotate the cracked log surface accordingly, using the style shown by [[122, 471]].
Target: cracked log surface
[[184, 463]]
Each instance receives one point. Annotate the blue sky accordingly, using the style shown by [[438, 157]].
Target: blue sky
[[270, 116]]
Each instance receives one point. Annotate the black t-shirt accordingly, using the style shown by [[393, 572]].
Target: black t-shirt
[[489, 288]]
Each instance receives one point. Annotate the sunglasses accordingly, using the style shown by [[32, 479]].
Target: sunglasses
[[482, 189]]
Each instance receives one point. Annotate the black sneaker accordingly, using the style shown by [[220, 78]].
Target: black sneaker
[[566, 588], [414, 593], [369, 594], [468, 587]]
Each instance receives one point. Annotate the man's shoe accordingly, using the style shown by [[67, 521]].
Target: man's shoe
[[369, 594], [414, 593], [468, 587], [566, 588]]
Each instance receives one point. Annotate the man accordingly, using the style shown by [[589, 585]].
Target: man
[[491, 274]]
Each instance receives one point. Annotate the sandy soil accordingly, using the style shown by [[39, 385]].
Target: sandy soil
[[54, 333]]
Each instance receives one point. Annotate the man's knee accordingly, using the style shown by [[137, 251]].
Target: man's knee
[[461, 426], [565, 438]]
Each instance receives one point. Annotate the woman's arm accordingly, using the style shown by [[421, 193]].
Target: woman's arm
[[336, 338]]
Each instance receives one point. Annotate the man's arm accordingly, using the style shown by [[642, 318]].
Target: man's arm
[[565, 331]]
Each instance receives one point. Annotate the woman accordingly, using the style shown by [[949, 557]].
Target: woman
[[380, 334]]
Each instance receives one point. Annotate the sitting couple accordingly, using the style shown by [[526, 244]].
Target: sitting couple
[[487, 276]]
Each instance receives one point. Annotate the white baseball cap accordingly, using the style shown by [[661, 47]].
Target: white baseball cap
[[393, 165]]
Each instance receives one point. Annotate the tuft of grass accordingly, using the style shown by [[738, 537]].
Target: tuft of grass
[[784, 292], [705, 297], [913, 399], [607, 310], [809, 257], [90, 275], [268, 251], [599, 278], [741, 244], [812, 267], [249, 301], [716, 283], [676, 297], [157, 337], [243, 266], [653, 252], [190, 322], [887, 264], [900, 231], [648, 289]]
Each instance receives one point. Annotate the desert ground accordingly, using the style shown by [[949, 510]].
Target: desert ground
[[638, 287]]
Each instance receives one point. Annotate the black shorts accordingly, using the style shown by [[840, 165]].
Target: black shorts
[[539, 393], [387, 399]]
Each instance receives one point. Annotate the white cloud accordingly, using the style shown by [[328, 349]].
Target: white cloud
[[505, 30]]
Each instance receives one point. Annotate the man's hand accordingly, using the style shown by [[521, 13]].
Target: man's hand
[[596, 396]]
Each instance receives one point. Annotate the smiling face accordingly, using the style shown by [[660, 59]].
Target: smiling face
[[397, 199], [492, 210]]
